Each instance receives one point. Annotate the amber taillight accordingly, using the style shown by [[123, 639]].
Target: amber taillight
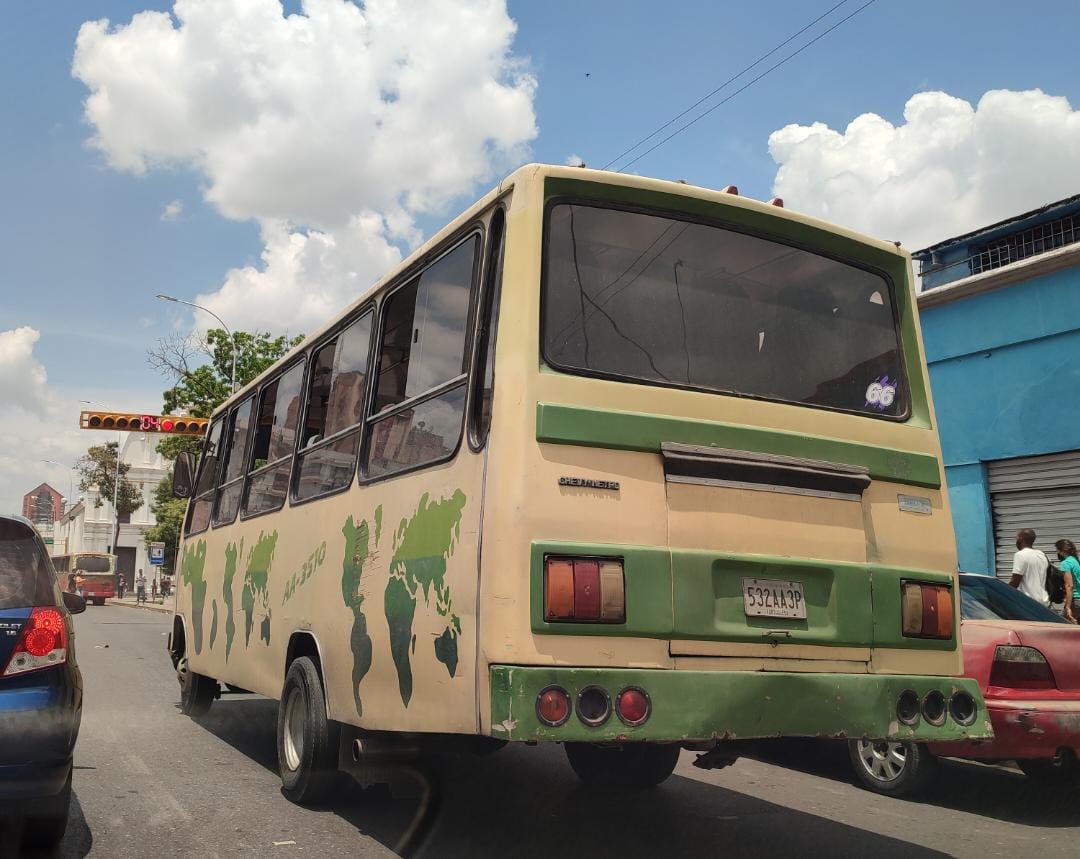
[[584, 590], [926, 610]]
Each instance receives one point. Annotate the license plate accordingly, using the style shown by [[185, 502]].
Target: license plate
[[773, 598]]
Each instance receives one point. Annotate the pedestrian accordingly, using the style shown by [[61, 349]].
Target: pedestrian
[[121, 585], [153, 589], [1070, 566], [80, 580], [140, 588], [1029, 568]]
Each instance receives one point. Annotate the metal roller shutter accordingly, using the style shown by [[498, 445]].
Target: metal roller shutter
[[1038, 492]]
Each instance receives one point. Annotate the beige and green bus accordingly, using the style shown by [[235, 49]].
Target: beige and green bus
[[613, 462]]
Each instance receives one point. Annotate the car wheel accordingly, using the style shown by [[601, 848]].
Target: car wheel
[[307, 740], [894, 769], [1061, 771], [630, 765], [45, 828], [197, 691]]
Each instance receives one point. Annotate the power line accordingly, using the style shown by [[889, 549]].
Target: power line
[[730, 80], [745, 86]]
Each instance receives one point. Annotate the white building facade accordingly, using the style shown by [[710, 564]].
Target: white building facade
[[85, 527]]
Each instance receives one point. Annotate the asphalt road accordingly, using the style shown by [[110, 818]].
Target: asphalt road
[[151, 782]]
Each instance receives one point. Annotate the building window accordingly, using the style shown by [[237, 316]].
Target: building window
[[1025, 243]]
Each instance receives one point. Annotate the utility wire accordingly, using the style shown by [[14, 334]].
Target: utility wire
[[730, 80], [745, 86]]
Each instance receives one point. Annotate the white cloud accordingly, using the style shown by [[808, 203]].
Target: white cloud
[[172, 210], [22, 377], [575, 160], [312, 121], [305, 277], [947, 169]]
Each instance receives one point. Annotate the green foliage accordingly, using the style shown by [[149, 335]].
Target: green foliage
[[97, 469], [201, 389], [169, 515]]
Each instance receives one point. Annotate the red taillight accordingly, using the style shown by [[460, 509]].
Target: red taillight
[[926, 610], [553, 706], [42, 644], [584, 589], [1021, 668], [633, 706]]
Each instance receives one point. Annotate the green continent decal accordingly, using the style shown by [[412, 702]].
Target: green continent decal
[[422, 546], [191, 573], [231, 554], [213, 623], [352, 568], [313, 563], [255, 579]]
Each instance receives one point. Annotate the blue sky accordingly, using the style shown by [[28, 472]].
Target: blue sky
[[83, 246]]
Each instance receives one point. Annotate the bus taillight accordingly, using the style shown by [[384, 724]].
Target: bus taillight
[[927, 610], [584, 589]]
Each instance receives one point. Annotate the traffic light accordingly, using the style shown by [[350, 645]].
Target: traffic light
[[181, 425]]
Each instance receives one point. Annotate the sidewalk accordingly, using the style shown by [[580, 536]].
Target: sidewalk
[[129, 602]]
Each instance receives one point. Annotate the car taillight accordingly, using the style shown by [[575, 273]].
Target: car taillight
[[584, 589], [1018, 667], [42, 643], [926, 610]]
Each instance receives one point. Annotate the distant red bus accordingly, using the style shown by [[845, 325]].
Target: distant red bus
[[98, 571]]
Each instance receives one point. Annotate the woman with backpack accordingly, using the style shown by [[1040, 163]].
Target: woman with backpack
[[1070, 566]]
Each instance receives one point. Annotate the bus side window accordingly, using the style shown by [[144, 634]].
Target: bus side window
[[335, 409], [488, 318], [203, 497], [420, 393], [233, 459], [272, 444]]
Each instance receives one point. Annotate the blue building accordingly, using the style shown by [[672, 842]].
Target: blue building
[[1000, 311]]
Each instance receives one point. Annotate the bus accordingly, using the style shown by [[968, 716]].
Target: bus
[[612, 462], [98, 570]]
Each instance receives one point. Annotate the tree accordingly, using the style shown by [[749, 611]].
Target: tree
[[97, 469], [201, 387], [169, 516]]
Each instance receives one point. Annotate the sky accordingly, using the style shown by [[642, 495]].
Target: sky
[[271, 161]]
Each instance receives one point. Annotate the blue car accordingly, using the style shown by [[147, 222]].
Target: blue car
[[41, 687]]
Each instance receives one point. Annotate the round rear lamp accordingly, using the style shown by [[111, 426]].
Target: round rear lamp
[[907, 707], [963, 708], [553, 706], [933, 708], [633, 706], [593, 706]]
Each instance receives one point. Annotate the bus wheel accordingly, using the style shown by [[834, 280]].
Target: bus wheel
[[307, 741], [894, 769], [622, 765], [197, 691]]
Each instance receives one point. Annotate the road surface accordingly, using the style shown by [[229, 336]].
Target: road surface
[[151, 782]]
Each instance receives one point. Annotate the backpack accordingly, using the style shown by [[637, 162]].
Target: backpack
[[1055, 584]]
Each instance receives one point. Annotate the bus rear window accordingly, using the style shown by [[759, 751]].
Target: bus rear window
[[91, 564], [652, 299]]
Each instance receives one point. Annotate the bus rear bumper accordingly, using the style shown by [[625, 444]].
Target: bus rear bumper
[[696, 706]]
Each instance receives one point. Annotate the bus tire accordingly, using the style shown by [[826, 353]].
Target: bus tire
[[629, 765], [307, 741], [197, 691], [890, 768], [99, 600]]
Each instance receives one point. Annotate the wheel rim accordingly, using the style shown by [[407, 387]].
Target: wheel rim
[[882, 761], [182, 671], [294, 728]]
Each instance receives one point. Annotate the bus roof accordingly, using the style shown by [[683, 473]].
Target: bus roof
[[535, 173]]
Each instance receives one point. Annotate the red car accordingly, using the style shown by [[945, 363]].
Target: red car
[[1027, 661]]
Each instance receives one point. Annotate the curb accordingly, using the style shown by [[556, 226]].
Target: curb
[[158, 607]]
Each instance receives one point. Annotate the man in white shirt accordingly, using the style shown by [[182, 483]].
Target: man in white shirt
[[1029, 568]]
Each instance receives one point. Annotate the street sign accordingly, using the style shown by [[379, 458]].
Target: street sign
[[48, 541], [157, 554], [182, 424]]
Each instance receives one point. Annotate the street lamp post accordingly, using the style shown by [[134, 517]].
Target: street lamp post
[[232, 340]]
